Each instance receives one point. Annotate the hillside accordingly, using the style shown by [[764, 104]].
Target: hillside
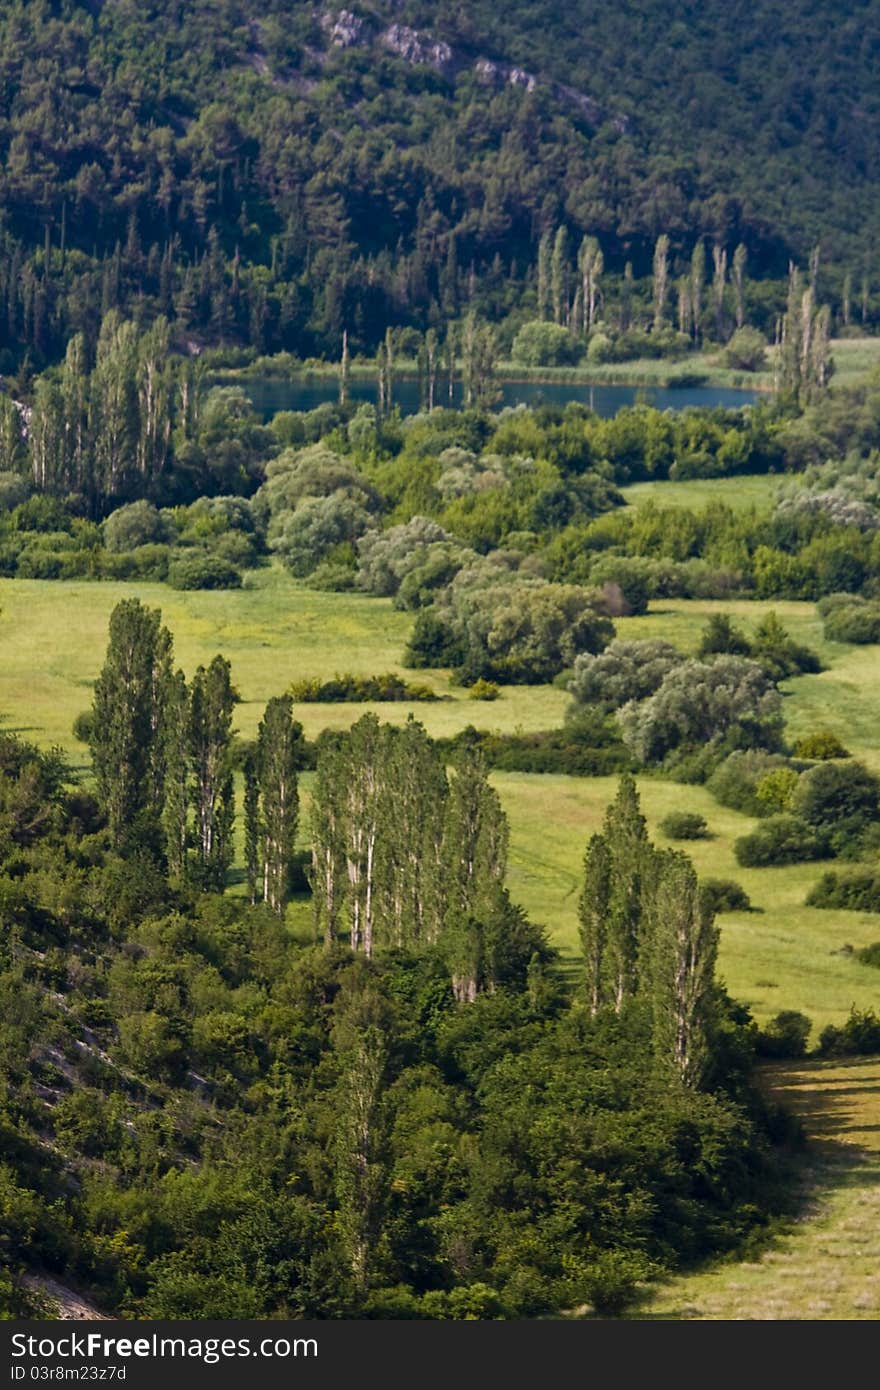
[[269, 173]]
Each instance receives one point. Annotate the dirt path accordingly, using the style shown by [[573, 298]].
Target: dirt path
[[827, 1265]]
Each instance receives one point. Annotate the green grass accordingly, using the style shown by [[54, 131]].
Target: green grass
[[825, 1265], [784, 956], [53, 637], [752, 490], [853, 358]]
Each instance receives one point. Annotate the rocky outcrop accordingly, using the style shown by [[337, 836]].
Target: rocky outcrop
[[417, 48]]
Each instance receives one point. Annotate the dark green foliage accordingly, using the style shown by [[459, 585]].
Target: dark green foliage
[[201, 571], [724, 895], [857, 890], [784, 1036], [282, 1131], [589, 746], [859, 1036], [721, 636], [685, 825], [125, 732], [780, 840], [358, 689], [870, 955], [839, 800]]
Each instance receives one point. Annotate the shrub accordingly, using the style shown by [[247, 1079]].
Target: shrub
[[685, 825], [34, 563], [775, 791], [839, 801], [870, 955], [724, 895], [857, 622], [540, 344], [819, 746], [484, 690], [858, 890], [357, 689], [779, 840], [203, 571], [140, 523], [785, 1035], [735, 782], [746, 351], [14, 489], [859, 1036], [703, 705]]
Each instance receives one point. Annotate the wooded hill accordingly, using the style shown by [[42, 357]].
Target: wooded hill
[[271, 173]]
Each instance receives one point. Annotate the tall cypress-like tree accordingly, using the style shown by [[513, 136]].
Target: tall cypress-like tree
[[627, 839], [475, 841], [559, 276], [126, 724], [327, 816], [679, 971], [593, 908], [361, 1044], [277, 758], [698, 279], [661, 280], [738, 279], [212, 702], [175, 812]]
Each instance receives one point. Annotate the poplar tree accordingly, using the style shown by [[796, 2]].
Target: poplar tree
[[175, 812], [212, 701], [79, 475], [366, 758], [154, 398], [719, 280], [251, 824], [738, 279], [474, 856], [680, 969], [361, 1045], [559, 276], [126, 723], [698, 279], [277, 756], [627, 839], [593, 910], [661, 280], [545, 252], [328, 848], [413, 796], [590, 264]]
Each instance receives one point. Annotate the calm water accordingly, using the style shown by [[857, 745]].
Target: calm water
[[271, 396]]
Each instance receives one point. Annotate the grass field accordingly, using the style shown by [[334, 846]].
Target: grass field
[[53, 637], [826, 1263], [853, 358], [52, 641], [752, 490]]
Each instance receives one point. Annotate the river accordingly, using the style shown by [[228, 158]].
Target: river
[[269, 396]]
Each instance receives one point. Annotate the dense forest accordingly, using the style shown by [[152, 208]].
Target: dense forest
[[415, 1117], [275, 174]]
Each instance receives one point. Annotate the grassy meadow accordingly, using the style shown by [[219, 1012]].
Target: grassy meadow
[[753, 490], [52, 641], [825, 1265]]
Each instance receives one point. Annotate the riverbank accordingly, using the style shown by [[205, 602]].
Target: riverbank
[[658, 373]]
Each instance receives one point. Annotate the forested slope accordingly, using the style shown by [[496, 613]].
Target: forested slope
[[272, 172]]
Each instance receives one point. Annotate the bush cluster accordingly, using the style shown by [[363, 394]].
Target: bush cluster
[[349, 689]]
